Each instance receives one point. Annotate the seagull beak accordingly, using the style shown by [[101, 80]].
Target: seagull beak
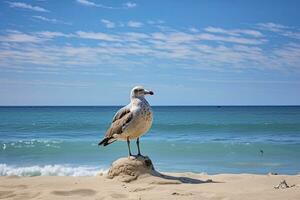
[[149, 92]]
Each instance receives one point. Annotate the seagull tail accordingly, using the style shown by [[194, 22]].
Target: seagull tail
[[107, 141]]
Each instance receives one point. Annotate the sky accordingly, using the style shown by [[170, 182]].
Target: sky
[[192, 52]]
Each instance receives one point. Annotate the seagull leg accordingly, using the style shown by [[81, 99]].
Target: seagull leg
[[128, 144], [138, 146]]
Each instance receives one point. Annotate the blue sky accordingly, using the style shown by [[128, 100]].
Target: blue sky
[[92, 52]]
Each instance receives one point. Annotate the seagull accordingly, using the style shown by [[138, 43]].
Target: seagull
[[131, 121]]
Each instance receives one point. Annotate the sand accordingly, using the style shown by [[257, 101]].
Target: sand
[[150, 185], [224, 186]]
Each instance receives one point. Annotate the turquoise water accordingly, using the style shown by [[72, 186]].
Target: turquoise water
[[227, 139]]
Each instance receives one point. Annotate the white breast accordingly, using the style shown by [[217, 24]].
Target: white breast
[[141, 121]]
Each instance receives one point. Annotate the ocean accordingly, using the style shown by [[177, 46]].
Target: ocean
[[62, 141]]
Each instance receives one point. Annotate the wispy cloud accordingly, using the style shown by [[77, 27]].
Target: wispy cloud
[[92, 4], [43, 83], [135, 24], [130, 5], [280, 29], [89, 3], [270, 26], [292, 34], [193, 29], [289, 55], [37, 37], [234, 32], [126, 50], [51, 20], [26, 6], [155, 22], [108, 24], [239, 40], [50, 34], [131, 24], [16, 36], [97, 36]]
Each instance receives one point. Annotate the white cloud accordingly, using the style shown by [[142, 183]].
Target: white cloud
[[97, 36], [16, 36], [249, 32], [155, 22], [126, 50], [108, 24], [130, 5], [132, 36], [182, 37], [193, 29], [240, 40], [92, 4], [54, 21], [135, 24], [280, 29], [26, 6], [270, 26], [50, 34], [37, 37], [89, 3], [43, 83], [131, 23], [289, 55], [234, 32], [291, 34]]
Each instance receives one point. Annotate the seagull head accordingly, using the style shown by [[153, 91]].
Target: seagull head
[[139, 91]]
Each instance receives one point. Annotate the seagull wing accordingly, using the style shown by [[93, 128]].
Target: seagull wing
[[120, 121], [123, 111]]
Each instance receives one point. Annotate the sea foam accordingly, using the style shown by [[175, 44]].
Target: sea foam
[[49, 170]]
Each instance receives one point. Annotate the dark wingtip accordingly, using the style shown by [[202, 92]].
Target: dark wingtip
[[105, 142]]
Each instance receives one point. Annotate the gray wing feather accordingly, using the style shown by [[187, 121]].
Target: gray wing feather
[[123, 111], [120, 121]]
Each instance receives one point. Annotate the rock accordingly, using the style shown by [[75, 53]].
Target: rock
[[131, 168], [272, 173]]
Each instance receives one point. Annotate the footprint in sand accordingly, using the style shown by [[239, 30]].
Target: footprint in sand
[[16, 195], [79, 192], [118, 195], [6, 194], [14, 186], [142, 189]]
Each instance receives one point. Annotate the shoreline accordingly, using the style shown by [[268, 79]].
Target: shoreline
[[197, 186], [76, 170]]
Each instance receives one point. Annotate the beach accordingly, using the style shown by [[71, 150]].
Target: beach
[[149, 100], [220, 186]]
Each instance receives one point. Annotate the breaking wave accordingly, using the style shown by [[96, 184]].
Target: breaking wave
[[49, 170]]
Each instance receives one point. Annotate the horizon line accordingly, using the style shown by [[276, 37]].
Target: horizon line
[[175, 105]]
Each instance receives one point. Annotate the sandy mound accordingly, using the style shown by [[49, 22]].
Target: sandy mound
[[135, 168], [131, 168]]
